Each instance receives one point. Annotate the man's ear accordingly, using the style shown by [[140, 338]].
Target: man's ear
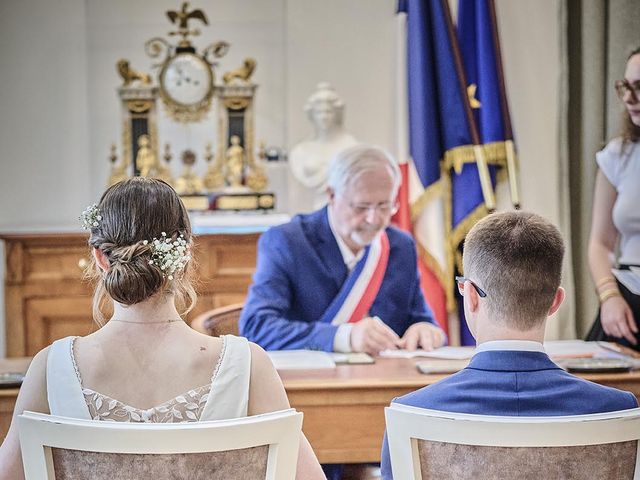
[[471, 301], [331, 194], [101, 259], [471, 297], [557, 301]]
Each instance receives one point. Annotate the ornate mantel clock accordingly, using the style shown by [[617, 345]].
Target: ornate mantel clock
[[186, 78], [187, 86]]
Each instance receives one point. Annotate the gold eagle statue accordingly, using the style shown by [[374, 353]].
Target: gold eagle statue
[[182, 17]]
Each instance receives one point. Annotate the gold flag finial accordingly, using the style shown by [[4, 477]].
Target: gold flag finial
[[471, 93]]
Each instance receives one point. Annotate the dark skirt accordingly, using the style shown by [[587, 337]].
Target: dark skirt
[[597, 333]]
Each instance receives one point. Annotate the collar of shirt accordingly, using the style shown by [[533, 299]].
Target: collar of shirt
[[350, 259], [518, 345]]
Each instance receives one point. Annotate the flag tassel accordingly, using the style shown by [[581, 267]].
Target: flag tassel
[[485, 179], [512, 166]]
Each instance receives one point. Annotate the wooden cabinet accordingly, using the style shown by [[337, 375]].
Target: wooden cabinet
[[46, 297]]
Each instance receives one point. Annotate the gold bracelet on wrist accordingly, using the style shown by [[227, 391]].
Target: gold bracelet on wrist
[[607, 294], [604, 280]]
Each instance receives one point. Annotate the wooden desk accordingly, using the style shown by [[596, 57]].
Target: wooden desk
[[343, 407]]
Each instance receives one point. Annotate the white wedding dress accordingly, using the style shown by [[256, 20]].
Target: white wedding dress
[[227, 396]]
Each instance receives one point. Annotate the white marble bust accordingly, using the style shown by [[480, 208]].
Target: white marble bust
[[309, 160]]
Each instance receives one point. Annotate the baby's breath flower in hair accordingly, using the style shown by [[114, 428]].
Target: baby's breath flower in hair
[[169, 255], [90, 217]]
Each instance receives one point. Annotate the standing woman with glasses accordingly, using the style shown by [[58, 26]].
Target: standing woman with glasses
[[145, 364], [616, 217]]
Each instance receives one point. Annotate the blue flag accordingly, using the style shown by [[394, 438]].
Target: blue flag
[[458, 121], [479, 45], [442, 130], [480, 48], [440, 119]]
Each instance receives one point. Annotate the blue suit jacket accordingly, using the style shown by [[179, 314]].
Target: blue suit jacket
[[513, 383], [300, 271]]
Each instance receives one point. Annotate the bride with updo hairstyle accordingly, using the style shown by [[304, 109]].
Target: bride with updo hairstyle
[[145, 364], [124, 238]]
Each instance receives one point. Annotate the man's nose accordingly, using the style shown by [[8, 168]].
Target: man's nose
[[372, 214]]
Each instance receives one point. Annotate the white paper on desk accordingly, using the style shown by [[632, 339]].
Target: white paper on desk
[[297, 359], [572, 348], [447, 353], [629, 278]]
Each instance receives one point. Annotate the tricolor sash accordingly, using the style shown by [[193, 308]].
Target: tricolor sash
[[361, 287]]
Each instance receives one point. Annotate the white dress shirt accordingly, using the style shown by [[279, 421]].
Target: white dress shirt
[[517, 345], [342, 340]]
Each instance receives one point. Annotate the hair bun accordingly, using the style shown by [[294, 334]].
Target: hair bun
[[130, 278]]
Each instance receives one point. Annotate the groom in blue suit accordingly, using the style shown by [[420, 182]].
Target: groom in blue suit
[[307, 269], [512, 262]]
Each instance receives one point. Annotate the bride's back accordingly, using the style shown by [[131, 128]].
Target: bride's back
[[145, 354], [144, 366]]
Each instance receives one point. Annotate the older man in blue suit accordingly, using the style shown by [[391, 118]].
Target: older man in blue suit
[[340, 279], [513, 263]]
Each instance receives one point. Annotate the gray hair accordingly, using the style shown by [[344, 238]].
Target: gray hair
[[353, 161]]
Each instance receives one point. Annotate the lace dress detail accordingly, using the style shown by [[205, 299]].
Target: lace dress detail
[[187, 407]]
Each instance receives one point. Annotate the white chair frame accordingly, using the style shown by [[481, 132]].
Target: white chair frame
[[407, 425], [39, 433]]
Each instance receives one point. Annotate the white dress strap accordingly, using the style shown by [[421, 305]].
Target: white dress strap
[[64, 392], [229, 395]]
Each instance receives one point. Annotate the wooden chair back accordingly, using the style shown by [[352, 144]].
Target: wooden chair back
[[257, 447], [429, 444], [219, 321]]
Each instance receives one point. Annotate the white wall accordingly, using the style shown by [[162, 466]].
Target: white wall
[[44, 161], [44, 132], [532, 40], [352, 46], [60, 110], [530, 37]]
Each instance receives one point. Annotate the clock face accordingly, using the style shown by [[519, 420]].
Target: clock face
[[186, 79]]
